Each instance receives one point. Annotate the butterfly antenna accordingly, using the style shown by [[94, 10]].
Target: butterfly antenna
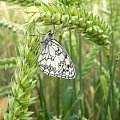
[[55, 31], [33, 35], [53, 27], [39, 32]]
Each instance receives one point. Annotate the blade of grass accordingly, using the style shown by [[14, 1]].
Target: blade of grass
[[58, 97], [50, 95], [111, 98], [74, 82], [43, 96], [80, 74]]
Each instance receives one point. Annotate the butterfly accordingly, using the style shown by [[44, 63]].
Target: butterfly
[[53, 59]]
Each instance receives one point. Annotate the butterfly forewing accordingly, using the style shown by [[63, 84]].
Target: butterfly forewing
[[55, 61]]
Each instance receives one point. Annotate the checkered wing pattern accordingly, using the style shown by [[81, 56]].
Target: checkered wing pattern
[[54, 60]]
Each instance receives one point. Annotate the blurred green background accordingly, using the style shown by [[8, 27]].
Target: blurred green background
[[85, 97]]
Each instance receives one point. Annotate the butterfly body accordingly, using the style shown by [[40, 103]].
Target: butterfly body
[[53, 58]]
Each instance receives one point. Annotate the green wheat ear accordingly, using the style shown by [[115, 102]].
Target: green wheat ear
[[7, 62], [72, 17], [13, 27], [24, 2], [23, 82]]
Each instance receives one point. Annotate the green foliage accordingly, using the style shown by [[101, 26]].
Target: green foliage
[[5, 90], [23, 84], [115, 14], [7, 63], [90, 60], [94, 93], [24, 2], [70, 2], [11, 26], [118, 56]]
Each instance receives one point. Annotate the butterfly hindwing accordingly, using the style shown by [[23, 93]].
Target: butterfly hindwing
[[55, 61]]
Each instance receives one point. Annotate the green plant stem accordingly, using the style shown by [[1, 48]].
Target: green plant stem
[[100, 69], [110, 98], [109, 90], [58, 87], [65, 118], [112, 71], [40, 96], [58, 97], [70, 42], [100, 59], [43, 96], [74, 83], [50, 95], [80, 73]]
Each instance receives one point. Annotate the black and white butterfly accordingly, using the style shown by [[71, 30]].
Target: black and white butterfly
[[54, 60]]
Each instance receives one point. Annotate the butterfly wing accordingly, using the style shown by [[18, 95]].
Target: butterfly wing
[[55, 61]]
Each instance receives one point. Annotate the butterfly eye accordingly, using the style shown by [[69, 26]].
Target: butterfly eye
[[50, 34]]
